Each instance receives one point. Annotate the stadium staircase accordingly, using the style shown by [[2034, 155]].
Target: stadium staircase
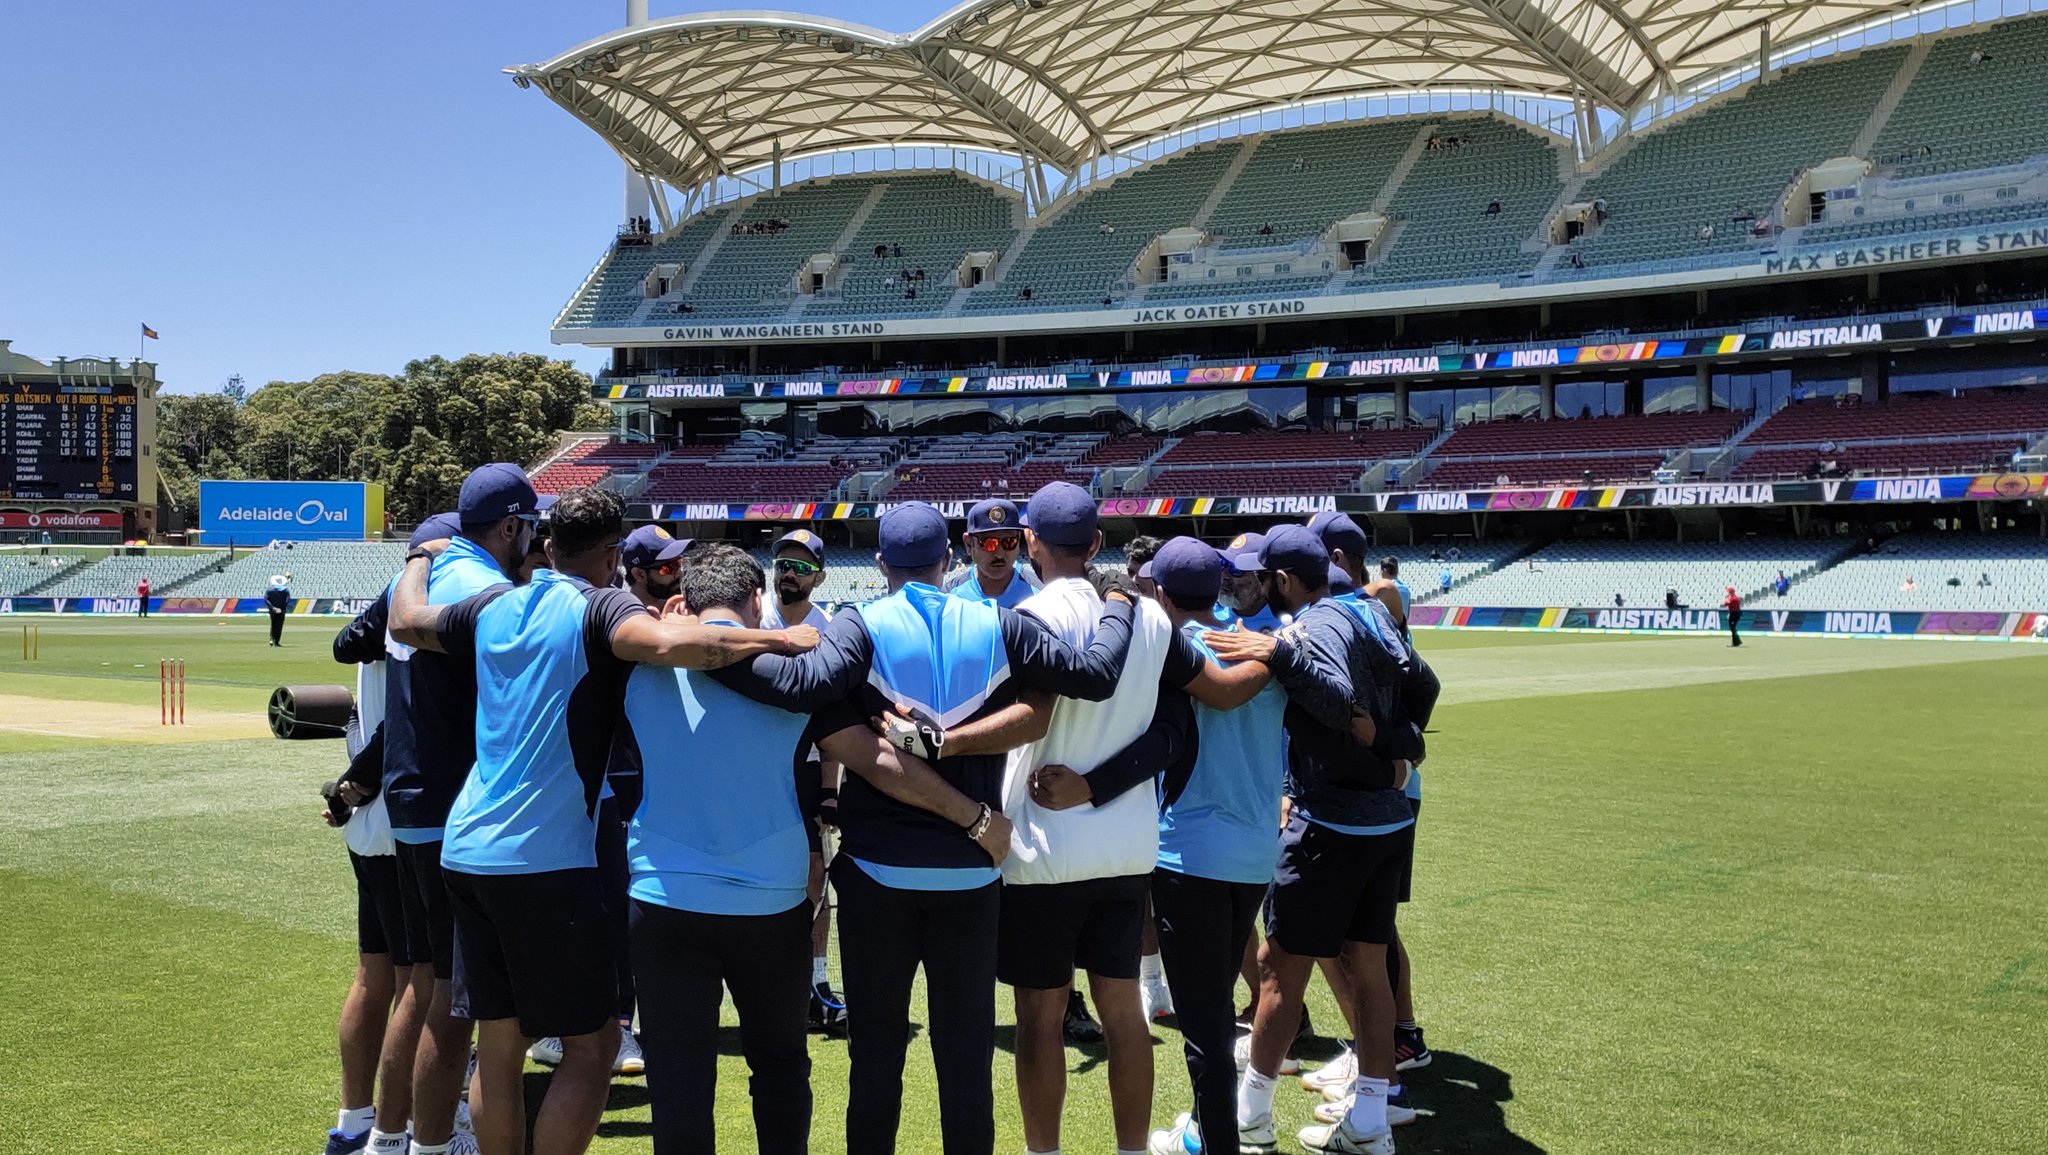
[[722, 231], [22, 574], [1402, 167], [116, 575], [1887, 104], [1222, 190]]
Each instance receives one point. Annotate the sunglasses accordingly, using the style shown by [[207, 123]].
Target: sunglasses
[[669, 568], [991, 542], [790, 565]]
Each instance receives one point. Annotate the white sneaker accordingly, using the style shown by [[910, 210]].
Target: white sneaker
[[1336, 1139], [1334, 1112], [1158, 999], [462, 1144], [1257, 1137], [548, 1050], [631, 1060], [1338, 1072], [1242, 1052], [1184, 1139]]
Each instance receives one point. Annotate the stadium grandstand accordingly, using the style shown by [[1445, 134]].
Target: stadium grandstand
[[1561, 302]]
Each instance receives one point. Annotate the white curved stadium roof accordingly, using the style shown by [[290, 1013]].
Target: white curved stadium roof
[[691, 98]]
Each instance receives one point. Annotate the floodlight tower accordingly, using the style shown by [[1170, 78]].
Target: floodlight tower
[[637, 205]]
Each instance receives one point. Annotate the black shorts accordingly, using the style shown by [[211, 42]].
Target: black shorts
[[382, 925], [1331, 888], [427, 918], [534, 947], [1408, 859], [1045, 931]]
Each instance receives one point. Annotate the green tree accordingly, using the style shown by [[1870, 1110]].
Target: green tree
[[423, 478]]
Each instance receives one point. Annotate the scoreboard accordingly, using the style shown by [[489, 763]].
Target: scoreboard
[[68, 442]]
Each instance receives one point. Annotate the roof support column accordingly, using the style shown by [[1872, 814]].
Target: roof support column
[[1763, 52], [636, 185]]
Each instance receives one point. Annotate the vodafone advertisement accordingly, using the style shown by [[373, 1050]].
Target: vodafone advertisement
[[59, 519]]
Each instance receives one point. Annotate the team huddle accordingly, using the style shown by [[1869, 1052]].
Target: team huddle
[[597, 776]]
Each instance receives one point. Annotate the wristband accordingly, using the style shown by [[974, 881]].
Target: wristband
[[980, 826], [417, 552]]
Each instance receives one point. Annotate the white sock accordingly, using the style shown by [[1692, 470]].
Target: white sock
[[1255, 1096], [387, 1142], [818, 970], [355, 1120], [1368, 1116], [1151, 969], [1128, 1151], [1029, 1151], [436, 1149]]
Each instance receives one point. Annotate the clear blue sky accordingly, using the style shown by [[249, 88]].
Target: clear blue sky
[[287, 189]]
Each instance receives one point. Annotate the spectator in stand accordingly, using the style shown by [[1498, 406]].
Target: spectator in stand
[[1909, 586], [1733, 604], [1783, 583], [1617, 601], [1493, 207], [1443, 579], [142, 597], [1983, 580]]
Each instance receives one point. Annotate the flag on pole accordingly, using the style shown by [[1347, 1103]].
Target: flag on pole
[[149, 332]]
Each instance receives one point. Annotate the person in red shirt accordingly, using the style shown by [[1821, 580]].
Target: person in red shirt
[[1733, 604], [142, 597]]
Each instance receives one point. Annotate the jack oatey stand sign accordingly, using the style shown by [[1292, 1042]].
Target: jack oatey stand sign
[[254, 512]]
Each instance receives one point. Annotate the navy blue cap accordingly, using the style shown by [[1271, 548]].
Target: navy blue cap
[[1242, 554], [811, 543], [1185, 567], [435, 528], [1338, 531], [1294, 548], [995, 515], [495, 491], [1062, 514], [1340, 582], [913, 536], [649, 546]]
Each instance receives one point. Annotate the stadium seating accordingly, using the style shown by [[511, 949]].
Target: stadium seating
[[1300, 183], [1732, 157], [1490, 472], [1658, 431], [590, 462], [115, 576], [1233, 480], [316, 569], [615, 292], [1443, 228], [1591, 573], [2013, 414], [754, 274], [2016, 564], [1293, 445], [936, 220], [1875, 460], [20, 573], [1080, 256], [1958, 114]]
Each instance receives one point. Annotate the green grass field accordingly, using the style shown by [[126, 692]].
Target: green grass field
[[1670, 897]]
